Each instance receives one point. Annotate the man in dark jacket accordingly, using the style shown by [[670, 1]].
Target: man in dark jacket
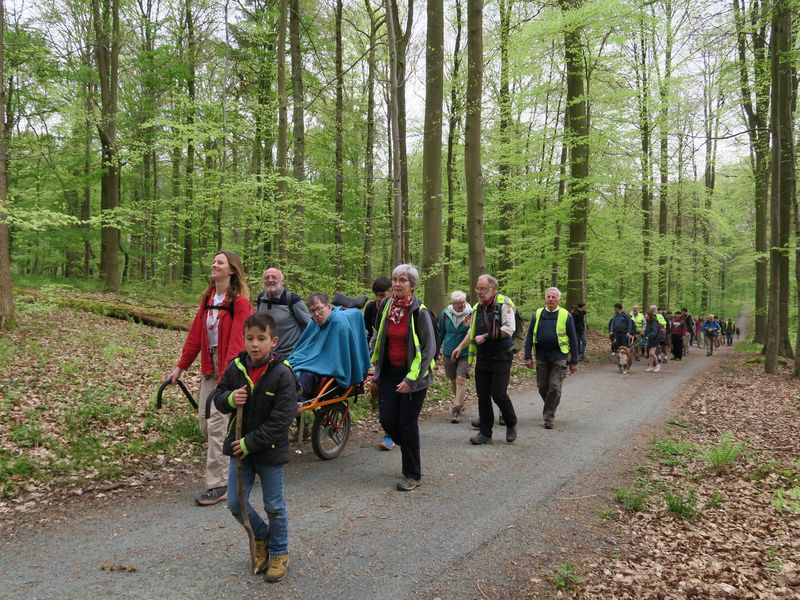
[[620, 328], [491, 344], [552, 340]]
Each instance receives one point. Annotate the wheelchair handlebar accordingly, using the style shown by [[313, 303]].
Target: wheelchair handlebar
[[180, 384]]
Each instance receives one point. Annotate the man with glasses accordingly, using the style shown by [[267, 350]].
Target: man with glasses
[[333, 345], [491, 346]]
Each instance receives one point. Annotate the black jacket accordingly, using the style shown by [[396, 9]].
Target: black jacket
[[271, 406]]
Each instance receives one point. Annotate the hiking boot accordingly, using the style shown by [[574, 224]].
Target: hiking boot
[[511, 434], [387, 443], [262, 556], [477, 440], [406, 484], [476, 422], [501, 421], [548, 423], [212, 496], [278, 565]]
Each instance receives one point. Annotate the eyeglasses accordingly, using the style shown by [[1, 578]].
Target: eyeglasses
[[480, 289], [318, 310]]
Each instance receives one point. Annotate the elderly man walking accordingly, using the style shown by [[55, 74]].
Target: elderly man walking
[[551, 342], [491, 345], [287, 308]]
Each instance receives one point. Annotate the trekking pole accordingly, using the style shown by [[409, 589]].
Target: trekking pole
[[251, 538]]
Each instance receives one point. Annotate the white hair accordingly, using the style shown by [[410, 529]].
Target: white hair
[[490, 279], [458, 296], [409, 271], [553, 289]]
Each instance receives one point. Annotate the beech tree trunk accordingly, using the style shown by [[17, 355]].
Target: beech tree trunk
[[781, 126], [432, 159], [452, 131], [755, 103], [282, 150], [339, 167], [105, 21], [577, 138], [369, 154], [472, 142], [642, 76], [6, 295]]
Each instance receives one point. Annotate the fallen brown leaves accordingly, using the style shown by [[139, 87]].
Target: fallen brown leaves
[[77, 406], [740, 545]]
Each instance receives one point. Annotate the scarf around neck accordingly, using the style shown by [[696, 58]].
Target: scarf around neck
[[398, 308], [458, 317]]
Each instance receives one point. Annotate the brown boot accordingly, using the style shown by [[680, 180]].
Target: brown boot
[[278, 565], [262, 557]]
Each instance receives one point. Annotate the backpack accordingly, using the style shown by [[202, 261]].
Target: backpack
[[436, 333], [291, 299], [518, 338]]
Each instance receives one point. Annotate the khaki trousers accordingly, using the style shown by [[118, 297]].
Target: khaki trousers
[[213, 429]]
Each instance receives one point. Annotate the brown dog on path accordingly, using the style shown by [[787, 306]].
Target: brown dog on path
[[624, 360]]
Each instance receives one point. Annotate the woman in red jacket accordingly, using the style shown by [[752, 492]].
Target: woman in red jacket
[[217, 335]]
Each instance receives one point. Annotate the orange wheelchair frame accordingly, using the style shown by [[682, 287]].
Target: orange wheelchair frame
[[331, 409]]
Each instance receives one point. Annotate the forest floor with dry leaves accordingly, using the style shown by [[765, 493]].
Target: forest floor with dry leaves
[[685, 529]]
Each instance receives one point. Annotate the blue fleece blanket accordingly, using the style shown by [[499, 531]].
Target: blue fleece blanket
[[338, 349]]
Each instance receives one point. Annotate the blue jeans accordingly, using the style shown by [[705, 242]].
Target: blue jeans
[[581, 343], [271, 477]]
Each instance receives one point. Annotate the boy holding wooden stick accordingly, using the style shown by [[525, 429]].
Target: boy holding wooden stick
[[259, 392]]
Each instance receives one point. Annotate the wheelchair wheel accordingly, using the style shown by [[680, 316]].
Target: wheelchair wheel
[[331, 430]]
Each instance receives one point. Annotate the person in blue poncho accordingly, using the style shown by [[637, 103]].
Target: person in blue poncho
[[333, 344]]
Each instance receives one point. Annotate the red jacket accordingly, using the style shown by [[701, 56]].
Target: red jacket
[[230, 341]]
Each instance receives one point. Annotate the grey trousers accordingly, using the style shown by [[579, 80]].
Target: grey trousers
[[549, 376]]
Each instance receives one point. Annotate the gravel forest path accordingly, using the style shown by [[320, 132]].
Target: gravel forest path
[[475, 526]]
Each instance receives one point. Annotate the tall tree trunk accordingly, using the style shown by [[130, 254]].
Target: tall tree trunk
[[642, 76], [339, 136], [663, 126], [432, 158], [504, 166], [577, 137], [755, 103], [398, 227], [452, 131], [191, 48], [283, 135], [401, 39], [369, 154], [6, 295], [472, 141], [782, 173], [298, 122], [105, 20]]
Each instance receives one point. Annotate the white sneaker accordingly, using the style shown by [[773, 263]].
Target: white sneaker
[[657, 369], [649, 370]]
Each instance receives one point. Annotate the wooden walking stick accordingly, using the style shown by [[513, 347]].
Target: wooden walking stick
[[251, 538]]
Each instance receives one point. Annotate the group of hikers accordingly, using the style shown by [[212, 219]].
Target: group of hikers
[[657, 333], [261, 359]]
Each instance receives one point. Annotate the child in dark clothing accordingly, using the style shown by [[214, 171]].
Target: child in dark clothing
[[260, 384]]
